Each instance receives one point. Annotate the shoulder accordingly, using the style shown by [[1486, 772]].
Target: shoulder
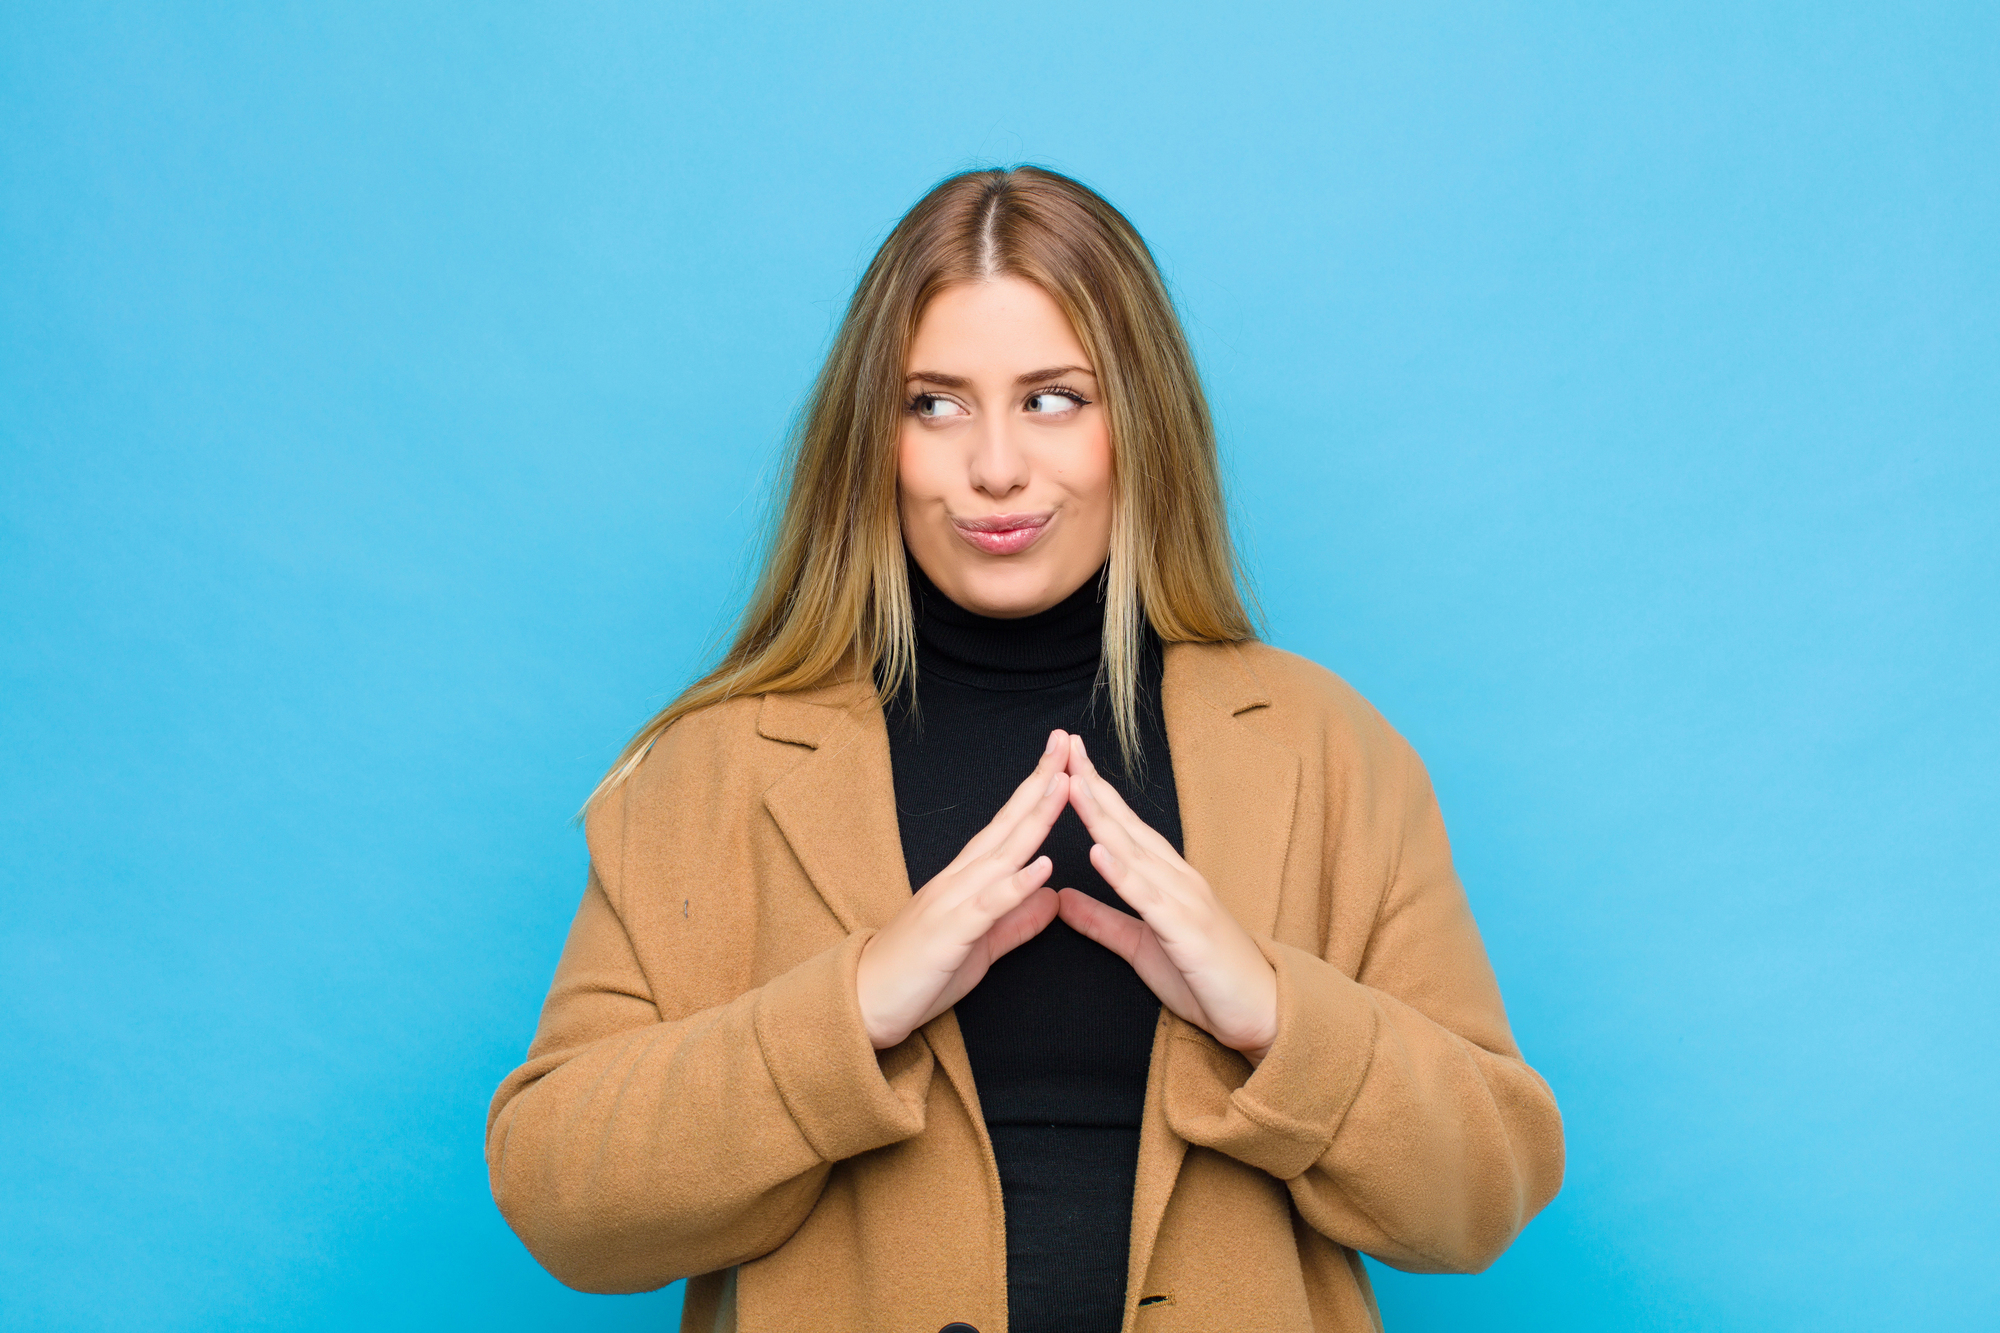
[[1365, 780], [1296, 701], [706, 773], [655, 792]]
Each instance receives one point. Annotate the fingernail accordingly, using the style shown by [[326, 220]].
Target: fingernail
[[1052, 784], [1055, 738]]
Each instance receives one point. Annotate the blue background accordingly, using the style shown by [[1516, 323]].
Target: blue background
[[388, 395]]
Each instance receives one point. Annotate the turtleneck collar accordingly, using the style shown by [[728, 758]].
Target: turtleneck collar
[[1051, 647]]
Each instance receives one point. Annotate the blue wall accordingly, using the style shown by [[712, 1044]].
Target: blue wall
[[387, 392]]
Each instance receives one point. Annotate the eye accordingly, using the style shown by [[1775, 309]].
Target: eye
[[1054, 402], [934, 407]]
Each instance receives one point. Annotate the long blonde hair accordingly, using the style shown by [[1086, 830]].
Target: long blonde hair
[[834, 596]]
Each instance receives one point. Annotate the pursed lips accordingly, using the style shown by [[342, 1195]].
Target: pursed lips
[[1002, 534]]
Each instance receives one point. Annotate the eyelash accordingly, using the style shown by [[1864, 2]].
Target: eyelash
[[1060, 392], [917, 401]]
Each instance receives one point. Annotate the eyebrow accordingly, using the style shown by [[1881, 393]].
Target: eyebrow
[[1032, 377]]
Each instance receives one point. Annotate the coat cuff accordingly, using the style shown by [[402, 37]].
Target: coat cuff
[[1280, 1117], [845, 1096]]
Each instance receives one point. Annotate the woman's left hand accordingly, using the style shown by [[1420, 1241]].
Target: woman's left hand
[[1184, 944]]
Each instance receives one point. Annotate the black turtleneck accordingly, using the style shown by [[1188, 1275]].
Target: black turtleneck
[[1060, 1031]]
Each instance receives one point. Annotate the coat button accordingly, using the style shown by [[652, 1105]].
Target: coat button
[[957, 1327]]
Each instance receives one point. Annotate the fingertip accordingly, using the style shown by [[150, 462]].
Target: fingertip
[[1034, 875]]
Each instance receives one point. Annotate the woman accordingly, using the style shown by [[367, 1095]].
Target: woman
[[1187, 1007]]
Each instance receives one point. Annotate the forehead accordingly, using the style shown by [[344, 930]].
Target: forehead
[[1000, 326]]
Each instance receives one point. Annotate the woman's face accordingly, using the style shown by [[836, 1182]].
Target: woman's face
[[1004, 460]]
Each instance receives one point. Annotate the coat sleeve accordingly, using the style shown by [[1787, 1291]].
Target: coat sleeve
[[1394, 1103], [633, 1148]]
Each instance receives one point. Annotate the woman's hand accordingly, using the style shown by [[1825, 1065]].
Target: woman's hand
[[989, 900], [1184, 945]]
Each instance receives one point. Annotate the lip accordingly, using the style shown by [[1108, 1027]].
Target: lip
[[1003, 534]]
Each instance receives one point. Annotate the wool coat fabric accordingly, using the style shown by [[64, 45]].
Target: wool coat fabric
[[701, 1099]]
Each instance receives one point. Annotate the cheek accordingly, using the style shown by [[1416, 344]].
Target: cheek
[[1088, 470], [915, 469]]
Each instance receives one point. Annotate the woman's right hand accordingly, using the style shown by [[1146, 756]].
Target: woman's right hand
[[989, 900]]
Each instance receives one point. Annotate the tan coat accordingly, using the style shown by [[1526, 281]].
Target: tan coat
[[702, 1100]]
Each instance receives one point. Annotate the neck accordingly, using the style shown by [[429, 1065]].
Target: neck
[[1060, 644]]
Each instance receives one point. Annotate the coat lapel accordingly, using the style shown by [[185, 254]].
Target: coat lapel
[[1238, 791], [837, 810], [837, 806], [1237, 788]]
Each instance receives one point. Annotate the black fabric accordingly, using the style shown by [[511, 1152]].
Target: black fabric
[[1060, 1031]]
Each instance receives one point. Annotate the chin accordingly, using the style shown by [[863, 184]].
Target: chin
[[1008, 591]]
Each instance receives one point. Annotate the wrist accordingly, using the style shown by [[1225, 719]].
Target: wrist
[[1257, 1041], [881, 1034], [1254, 1049]]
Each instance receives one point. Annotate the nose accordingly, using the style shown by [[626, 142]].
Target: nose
[[999, 466]]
